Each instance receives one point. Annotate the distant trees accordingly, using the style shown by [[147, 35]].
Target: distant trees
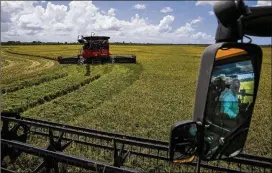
[[112, 43], [36, 43]]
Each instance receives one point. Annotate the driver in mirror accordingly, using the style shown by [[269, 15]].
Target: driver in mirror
[[229, 99], [226, 110]]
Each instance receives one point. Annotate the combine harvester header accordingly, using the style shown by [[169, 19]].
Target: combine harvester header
[[95, 50]]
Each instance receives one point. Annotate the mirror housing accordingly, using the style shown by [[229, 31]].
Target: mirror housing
[[183, 142], [219, 133], [229, 74]]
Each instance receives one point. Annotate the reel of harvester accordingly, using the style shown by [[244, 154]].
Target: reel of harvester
[[95, 50], [15, 132], [75, 149]]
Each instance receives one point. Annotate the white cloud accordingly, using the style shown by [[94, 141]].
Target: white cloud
[[111, 12], [139, 6], [211, 13], [199, 19], [188, 28], [166, 10], [165, 23], [205, 3], [22, 20], [201, 35], [263, 3], [185, 30]]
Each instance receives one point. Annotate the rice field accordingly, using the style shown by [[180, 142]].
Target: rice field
[[142, 99]]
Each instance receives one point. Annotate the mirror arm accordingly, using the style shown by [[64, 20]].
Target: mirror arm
[[227, 34], [235, 20], [230, 15], [258, 22]]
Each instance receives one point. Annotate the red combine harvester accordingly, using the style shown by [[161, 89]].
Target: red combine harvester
[[96, 50]]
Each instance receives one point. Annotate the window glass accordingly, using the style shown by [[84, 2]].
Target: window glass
[[230, 95]]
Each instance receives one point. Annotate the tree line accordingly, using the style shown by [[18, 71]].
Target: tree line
[[112, 43], [76, 43], [35, 43]]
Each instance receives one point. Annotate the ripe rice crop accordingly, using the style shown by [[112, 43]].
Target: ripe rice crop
[[142, 99]]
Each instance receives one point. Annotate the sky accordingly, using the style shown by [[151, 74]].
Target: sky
[[237, 68], [129, 21]]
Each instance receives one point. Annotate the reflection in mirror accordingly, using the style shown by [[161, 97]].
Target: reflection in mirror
[[183, 142], [229, 103]]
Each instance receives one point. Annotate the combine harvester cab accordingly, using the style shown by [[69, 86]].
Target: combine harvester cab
[[96, 50]]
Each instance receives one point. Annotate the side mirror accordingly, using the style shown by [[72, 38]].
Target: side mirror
[[226, 93], [183, 142]]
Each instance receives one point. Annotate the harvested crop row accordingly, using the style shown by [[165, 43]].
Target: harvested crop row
[[32, 96], [29, 83], [26, 54], [52, 96], [69, 107], [48, 52], [13, 60], [19, 80], [9, 64], [14, 70], [6, 63], [23, 67], [35, 95]]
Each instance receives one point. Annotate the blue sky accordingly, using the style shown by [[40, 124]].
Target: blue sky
[[186, 22], [244, 76]]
